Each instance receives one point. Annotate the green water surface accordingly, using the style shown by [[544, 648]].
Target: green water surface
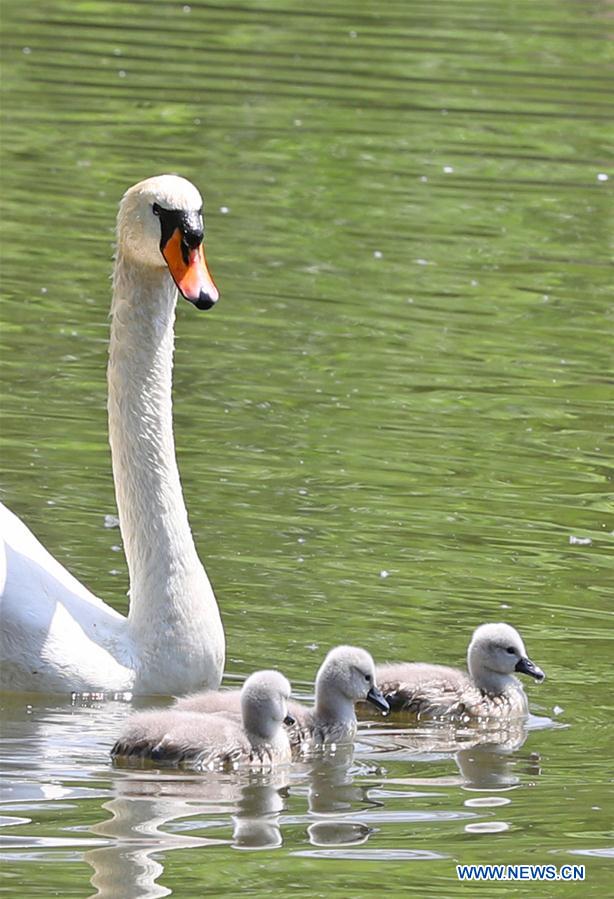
[[388, 430]]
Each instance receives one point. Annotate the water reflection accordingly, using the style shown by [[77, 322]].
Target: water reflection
[[490, 766], [340, 802], [486, 757], [332, 790], [145, 806], [338, 833], [333, 794], [256, 823]]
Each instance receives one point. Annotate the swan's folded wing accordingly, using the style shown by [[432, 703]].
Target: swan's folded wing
[[29, 571], [56, 636]]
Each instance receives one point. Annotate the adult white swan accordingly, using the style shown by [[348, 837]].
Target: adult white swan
[[55, 635]]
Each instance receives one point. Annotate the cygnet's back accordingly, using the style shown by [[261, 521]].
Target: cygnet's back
[[210, 701], [346, 676], [488, 689], [215, 739]]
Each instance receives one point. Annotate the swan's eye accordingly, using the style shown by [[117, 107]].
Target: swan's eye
[[156, 209], [368, 678], [511, 650]]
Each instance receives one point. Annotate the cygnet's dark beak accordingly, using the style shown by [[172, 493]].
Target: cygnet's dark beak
[[526, 666], [289, 720], [376, 697]]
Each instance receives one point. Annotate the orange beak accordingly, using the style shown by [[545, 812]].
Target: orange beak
[[188, 268]]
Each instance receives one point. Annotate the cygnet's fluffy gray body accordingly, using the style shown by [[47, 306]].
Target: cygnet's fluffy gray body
[[250, 734], [209, 701], [488, 689], [346, 676]]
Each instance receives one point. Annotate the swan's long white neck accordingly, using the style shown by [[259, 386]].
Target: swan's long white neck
[[169, 589]]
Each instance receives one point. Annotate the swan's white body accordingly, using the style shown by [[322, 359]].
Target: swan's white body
[[56, 636]]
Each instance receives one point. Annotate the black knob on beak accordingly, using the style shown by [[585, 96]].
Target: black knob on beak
[[193, 238], [192, 230]]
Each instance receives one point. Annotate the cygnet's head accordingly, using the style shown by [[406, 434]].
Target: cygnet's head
[[160, 224], [348, 672], [264, 704], [497, 649]]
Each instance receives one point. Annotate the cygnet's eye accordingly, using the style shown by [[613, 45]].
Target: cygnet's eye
[[156, 209], [511, 650], [368, 678]]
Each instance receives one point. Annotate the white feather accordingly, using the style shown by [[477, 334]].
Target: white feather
[[55, 635]]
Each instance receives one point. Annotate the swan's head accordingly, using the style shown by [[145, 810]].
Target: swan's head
[[264, 703], [497, 649], [349, 672], [160, 224]]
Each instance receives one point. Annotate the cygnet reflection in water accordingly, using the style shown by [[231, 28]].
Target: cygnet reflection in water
[[147, 803], [486, 753]]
